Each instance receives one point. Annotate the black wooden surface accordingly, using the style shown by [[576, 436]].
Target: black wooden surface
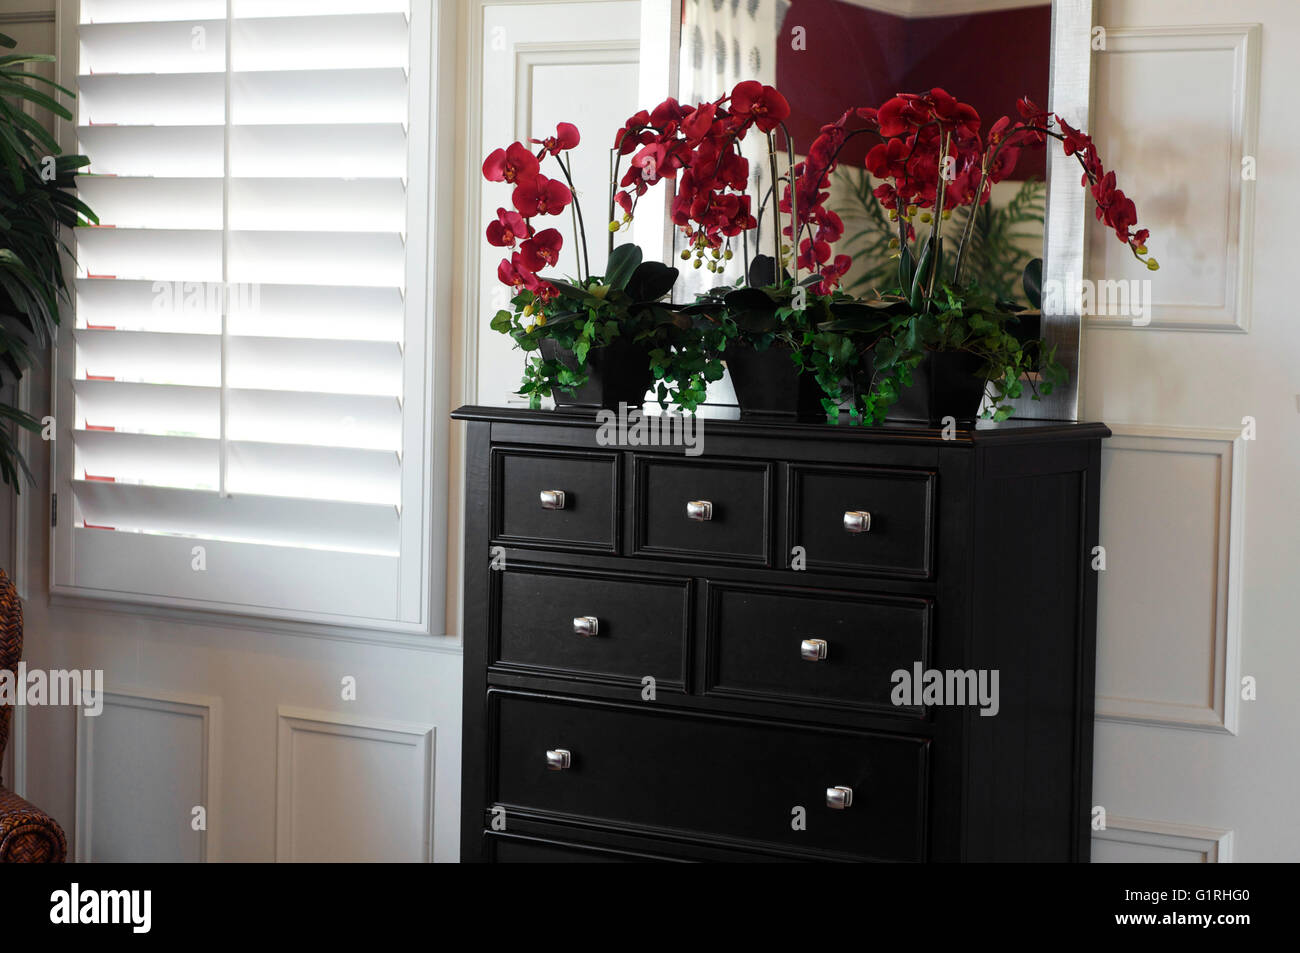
[[981, 561]]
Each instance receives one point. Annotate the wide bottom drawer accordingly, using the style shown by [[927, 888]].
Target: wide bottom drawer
[[720, 778]]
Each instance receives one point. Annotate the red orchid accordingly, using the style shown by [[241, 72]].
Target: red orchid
[[833, 273], [542, 249], [508, 228], [566, 137], [538, 195], [510, 164], [764, 105]]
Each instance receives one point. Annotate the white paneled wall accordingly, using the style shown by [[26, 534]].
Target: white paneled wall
[[243, 718], [1198, 509]]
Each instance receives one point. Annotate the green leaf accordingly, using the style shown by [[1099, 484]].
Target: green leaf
[[623, 261], [1032, 282]]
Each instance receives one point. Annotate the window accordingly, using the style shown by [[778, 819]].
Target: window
[[241, 398]]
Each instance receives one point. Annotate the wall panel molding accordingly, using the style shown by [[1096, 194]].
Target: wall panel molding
[[295, 724], [1226, 448], [206, 709], [1242, 41], [1205, 845]]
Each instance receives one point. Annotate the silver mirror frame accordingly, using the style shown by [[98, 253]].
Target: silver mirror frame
[[1064, 234]]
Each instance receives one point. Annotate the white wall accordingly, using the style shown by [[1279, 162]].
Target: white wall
[[1199, 523], [244, 718]]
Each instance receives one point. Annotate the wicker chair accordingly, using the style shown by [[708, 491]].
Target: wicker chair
[[27, 834]]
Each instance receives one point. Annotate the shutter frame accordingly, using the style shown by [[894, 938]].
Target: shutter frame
[[397, 439]]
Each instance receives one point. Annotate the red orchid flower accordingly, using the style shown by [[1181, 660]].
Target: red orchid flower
[[542, 249], [538, 195], [512, 272], [832, 273], [566, 137], [508, 229], [762, 105], [510, 164]]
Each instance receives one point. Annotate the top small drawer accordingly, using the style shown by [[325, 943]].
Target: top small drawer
[[866, 520], [556, 498], [715, 511]]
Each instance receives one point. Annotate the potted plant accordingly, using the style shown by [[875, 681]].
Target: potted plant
[[34, 206], [770, 318], [946, 341], [594, 340]]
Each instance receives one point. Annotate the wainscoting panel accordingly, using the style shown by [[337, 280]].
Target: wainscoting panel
[[353, 790], [143, 765], [1180, 106], [1169, 599], [1128, 840]]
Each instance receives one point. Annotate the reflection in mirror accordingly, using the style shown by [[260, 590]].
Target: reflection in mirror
[[827, 56]]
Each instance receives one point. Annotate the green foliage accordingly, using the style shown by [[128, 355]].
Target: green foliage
[[34, 207], [627, 302], [995, 255]]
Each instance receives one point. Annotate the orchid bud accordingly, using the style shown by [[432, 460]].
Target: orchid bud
[[1153, 265], [613, 226], [686, 254], [1141, 249], [925, 218]]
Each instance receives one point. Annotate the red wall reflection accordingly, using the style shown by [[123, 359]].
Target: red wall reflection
[[860, 57]]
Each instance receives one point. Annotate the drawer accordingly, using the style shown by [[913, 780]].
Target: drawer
[[641, 624], [512, 849], [756, 639], [649, 768], [587, 515], [897, 540], [672, 520]]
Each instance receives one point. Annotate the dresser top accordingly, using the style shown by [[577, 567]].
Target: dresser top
[[727, 420]]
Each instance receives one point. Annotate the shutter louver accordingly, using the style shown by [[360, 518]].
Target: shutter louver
[[241, 311]]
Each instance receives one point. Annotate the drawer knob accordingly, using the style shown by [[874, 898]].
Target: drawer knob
[[857, 521], [552, 499], [813, 650], [699, 510], [586, 625], [839, 797], [559, 759]]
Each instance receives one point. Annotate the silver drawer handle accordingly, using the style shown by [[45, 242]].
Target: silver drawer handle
[[857, 521], [813, 650], [558, 759], [839, 798], [586, 625], [699, 510], [552, 499]]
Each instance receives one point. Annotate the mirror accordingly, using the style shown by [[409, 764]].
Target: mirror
[[827, 56]]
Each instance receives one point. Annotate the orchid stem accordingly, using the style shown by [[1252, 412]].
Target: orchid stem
[[579, 226]]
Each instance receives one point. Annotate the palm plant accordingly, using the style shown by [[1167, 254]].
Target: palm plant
[[996, 254], [34, 206]]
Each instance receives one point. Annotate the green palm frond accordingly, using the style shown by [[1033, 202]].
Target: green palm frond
[[1003, 239], [34, 208]]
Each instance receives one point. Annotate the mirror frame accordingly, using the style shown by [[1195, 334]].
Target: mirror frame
[[1064, 233]]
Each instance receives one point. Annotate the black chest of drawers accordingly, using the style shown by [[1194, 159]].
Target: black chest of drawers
[[677, 657]]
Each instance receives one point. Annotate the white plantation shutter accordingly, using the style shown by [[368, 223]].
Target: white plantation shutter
[[246, 370]]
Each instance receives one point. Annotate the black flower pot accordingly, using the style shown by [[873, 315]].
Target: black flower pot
[[617, 374], [944, 384], [768, 384]]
